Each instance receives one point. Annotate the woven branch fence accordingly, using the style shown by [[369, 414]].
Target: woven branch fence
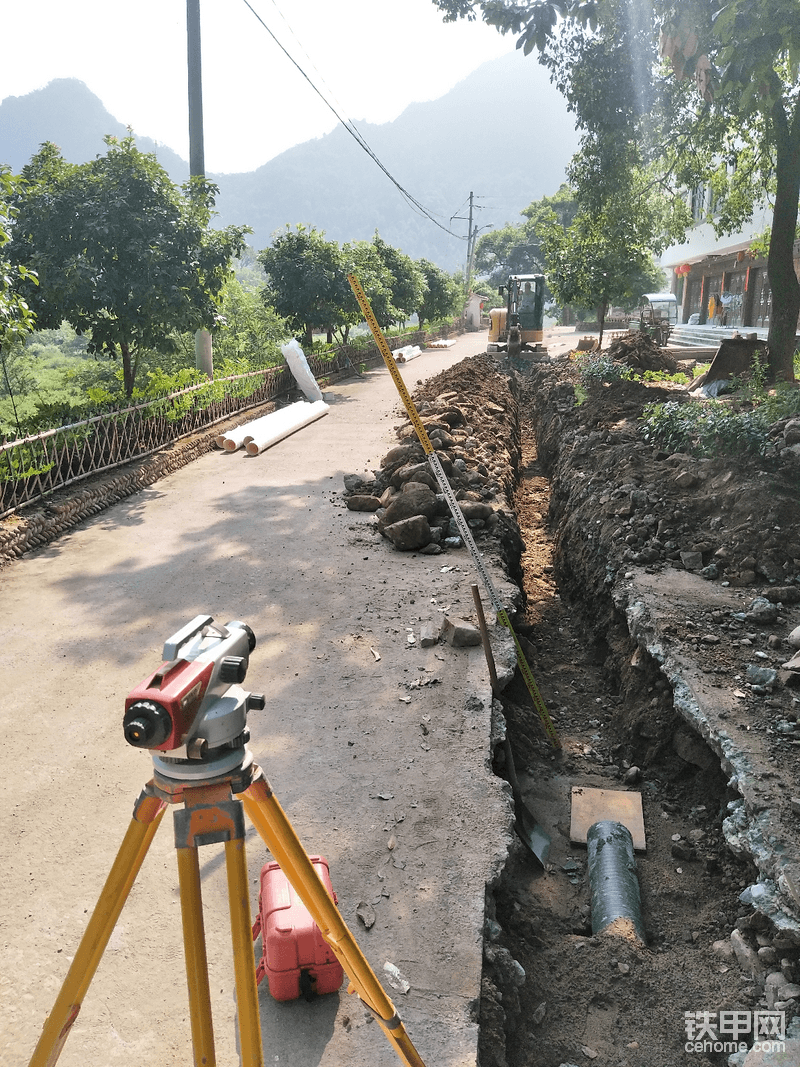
[[33, 468]]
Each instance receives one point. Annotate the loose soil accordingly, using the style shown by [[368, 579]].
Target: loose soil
[[603, 999]]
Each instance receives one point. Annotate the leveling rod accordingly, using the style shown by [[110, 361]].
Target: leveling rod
[[455, 510]]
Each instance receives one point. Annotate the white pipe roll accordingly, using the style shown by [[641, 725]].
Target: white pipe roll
[[235, 438], [298, 365], [285, 422], [407, 352]]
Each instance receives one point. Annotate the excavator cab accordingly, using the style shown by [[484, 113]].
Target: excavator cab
[[519, 324]]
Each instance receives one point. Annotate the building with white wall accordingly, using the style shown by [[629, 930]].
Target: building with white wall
[[720, 280]]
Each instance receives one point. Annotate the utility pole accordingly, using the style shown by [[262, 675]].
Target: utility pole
[[203, 351], [472, 234], [470, 239]]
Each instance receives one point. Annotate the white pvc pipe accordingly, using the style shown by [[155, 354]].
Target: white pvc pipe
[[284, 422], [298, 365], [235, 438], [407, 352]]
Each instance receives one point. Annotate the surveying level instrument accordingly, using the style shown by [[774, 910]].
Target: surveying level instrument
[[191, 713], [455, 510]]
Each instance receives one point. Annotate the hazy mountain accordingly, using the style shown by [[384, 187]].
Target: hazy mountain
[[503, 133], [71, 116]]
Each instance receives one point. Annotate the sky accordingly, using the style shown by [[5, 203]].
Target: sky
[[371, 58]]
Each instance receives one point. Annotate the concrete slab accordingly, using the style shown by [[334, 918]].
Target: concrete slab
[[356, 748], [591, 805]]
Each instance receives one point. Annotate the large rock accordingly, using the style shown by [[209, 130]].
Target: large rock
[[401, 454], [363, 502], [409, 534], [472, 509], [417, 499]]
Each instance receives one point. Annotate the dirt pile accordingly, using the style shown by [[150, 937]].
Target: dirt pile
[[639, 350]]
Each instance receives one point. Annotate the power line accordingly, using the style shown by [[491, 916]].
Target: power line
[[351, 128]]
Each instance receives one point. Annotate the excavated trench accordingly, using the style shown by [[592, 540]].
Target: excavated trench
[[554, 995]]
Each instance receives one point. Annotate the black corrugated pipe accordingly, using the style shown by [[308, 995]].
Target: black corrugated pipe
[[616, 903]]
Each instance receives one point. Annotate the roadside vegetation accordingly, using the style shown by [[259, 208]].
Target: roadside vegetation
[[741, 422], [108, 269]]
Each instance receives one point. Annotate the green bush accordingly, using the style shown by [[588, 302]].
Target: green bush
[[706, 428]]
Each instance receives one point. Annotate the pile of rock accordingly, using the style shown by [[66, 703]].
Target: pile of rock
[[475, 441]]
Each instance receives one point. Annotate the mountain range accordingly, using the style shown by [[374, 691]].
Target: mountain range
[[503, 133]]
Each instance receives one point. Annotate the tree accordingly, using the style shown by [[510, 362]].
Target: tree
[[729, 115], [442, 295], [516, 249], [405, 280], [593, 263], [16, 316], [306, 281], [120, 251], [735, 93], [249, 332], [364, 261]]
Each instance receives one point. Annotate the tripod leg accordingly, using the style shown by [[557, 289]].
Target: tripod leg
[[271, 822], [146, 818], [243, 959], [194, 947]]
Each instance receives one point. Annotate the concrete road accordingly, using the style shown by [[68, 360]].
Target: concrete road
[[356, 747]]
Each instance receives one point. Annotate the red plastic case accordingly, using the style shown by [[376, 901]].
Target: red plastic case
[[295, 957]]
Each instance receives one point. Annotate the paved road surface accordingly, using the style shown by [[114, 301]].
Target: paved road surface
[[266, 540]]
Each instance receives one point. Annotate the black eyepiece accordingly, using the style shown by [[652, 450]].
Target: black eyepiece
[[146, 724]]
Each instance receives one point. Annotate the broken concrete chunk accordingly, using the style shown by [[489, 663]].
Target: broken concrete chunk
[[692, 749], [760, 610], [459, 633], [366, 913], [746, 957], [428, 634], [692, 561]]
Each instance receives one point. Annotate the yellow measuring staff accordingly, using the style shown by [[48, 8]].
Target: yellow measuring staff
[[455, 510]]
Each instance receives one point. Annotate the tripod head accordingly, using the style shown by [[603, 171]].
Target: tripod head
[[193, 706]]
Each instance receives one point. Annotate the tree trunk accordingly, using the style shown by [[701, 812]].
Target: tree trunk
[[780, 262], [308, 338], [601, 318], [128, 370]]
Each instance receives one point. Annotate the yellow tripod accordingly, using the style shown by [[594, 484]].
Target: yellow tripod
[[211, 814]]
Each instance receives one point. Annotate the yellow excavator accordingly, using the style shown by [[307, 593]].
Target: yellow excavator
[[519, 325]]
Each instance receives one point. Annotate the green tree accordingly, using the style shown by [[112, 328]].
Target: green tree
[[16, 315], [405, 280], [249, 332], [442, 295], [594, 264], [364, 261], [734, 97], [730, 115], [120, 251], [516, 249], [306, 281]]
